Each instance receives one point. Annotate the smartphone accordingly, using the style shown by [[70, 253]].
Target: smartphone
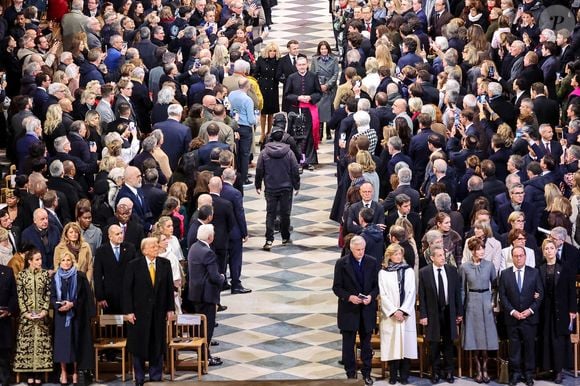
[[59, 303], [4, 77], [456, 120], [357, 83], [361, 296], [266, 29], [124, 45], [490, 72], [92, 143]]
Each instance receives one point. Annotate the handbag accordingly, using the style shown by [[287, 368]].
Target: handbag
[[503, 371]]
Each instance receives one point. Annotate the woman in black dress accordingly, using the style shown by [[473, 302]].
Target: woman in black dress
[[557, 311], [73, 304], [266, 68]]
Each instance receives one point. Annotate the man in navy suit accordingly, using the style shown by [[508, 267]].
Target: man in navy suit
[[205, 280], [176, 136], [109, 265], [405, 175], [40, 96], [43, 236], [356, 286], [239, 233], [546, 109], [518, 286], [132, 190], [395, 145], [409, 58], [419, 150], [547, 143], [516, 193], [420, 13], [366, 191]]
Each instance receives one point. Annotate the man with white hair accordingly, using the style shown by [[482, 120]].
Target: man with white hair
[[73, 23], [205, 280], [132, 189], [566, 253], [500, 105], [31, 138], [241, 71], [142, 103], [362, 121], [176, 136], [93, 30], [405, 176]]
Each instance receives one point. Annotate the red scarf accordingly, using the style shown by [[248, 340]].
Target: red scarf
[[315, 121]]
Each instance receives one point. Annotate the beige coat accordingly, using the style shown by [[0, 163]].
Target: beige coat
[[398, 339], [85, 260]]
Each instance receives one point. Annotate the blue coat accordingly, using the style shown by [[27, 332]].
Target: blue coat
[[31, 236], [233, 195], [22, 147], [176, 140]]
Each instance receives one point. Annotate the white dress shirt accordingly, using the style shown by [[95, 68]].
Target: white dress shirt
[[444, 276]]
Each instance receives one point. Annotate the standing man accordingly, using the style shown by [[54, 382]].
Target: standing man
[[278, 168], [239, 234], [356, 285], [176, 136], [440, 312], [302, 92], [243, 108], [109, 266], [132, 189], [148, 303], [518, 286], [205, 280]]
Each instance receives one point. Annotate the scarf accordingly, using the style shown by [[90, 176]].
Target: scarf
[[325, 58], [73, 249], [475, 19], [315, 121], [71, 295], [400, 269]]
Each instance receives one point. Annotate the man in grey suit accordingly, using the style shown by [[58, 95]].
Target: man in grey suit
[[520, 295], [104, 108], [205, 281]]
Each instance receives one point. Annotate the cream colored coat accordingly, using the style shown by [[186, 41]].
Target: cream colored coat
[[398, 339]]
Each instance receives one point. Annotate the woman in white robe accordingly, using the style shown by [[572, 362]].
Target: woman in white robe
[[398, 329]]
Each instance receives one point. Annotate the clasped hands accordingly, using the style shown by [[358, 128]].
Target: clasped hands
[[522, 315], [130, 318], [354, 299]]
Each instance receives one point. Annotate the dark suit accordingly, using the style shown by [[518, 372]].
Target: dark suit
[[140, 205], [419, 153], [70, 188], [518, 100], [414, 219], [503, 212], [437, 23], [441, 328], [108, 274], [134, 232], [570, 257], [150, 303], [352, 225], [547, 110], [147, 53], [353, 318], [555, 149], [239, 232], [155, 197], [521, 333], [223, 222], [9, 300], [504, 109], [500, 159], [389, 203], [205, 282], [40, 96], [194, 225], [143, 105], [176, 140], [31, 236]]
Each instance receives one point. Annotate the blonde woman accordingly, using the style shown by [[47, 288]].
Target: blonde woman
[[167, 251], [492, 247], [72, 241], [575, 202], [384, 58], [398, 329], [372, 78], [265, 73], [53, 126], [365, 159]]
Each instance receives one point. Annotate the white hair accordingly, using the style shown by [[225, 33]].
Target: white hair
[[205, 232]]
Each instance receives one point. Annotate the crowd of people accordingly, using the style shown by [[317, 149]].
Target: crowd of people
[[133, 125]]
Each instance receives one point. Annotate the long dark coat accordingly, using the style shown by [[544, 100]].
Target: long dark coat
[[9, 299], [75, 343], [265, 73], [150, 304], [428, 304], [346, 284], [564, 299]]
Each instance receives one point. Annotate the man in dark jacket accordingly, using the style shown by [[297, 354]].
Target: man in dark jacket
[[278, 168]]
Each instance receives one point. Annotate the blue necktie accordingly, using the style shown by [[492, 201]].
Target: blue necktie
[[520, 280], [117, 253]]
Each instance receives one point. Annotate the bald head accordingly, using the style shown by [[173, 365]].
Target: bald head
[[215, 185], [115, 234], [132, 177], [204, 199]]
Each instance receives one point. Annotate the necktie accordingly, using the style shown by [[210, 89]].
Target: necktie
[[367, 205], [520, 280], [441, 289], [123, 228], [436, 17], [548, 148], [558, 255], [369, 27], [293, 60], [117, 253], [152, 272]]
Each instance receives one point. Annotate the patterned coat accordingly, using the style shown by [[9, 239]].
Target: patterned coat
[[33, 342]]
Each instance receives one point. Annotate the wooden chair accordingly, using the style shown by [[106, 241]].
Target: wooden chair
[[188, 333], [575, 339], [110, 335]]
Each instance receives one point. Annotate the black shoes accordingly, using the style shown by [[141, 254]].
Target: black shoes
[[241, 290], [267, 246], [558, 379], [368, 380], [514, 381], [215, 361], [435, 378], [529, 381], [226, 286], [450, 378], [214, 343], [286, 241], [221, 308]]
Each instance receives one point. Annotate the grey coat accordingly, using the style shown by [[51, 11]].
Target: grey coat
[[327, 73]]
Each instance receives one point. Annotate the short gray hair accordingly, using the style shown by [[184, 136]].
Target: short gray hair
[[443, 202], [166, 95], [59, 143], [474, 183], [440, 165], [405, 175], [32, 124], [560, 232], [362, 119], [432, 235], [56, 168], [149, 143], [241, 66], [494, 88], [363, 104], [116, 173], [175, 110], [158, 134], [396, 143], [205, 232]]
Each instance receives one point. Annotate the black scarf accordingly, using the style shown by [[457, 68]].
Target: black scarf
[[400, 269]]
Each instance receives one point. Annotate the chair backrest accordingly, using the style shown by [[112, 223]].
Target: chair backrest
[[110, 326], [189, 326]]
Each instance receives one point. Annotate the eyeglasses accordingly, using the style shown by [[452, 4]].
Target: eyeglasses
[[518, 193]]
